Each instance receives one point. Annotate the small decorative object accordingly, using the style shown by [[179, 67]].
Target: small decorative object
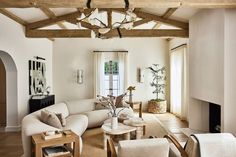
[[80, 76], [157, 105], [109, 102], [130, 89]]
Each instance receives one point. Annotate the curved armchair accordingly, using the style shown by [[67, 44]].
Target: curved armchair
[[158, 147], [197, 145]]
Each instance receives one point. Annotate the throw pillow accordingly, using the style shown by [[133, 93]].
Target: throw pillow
[[62, 119], [119, 101], [51, 119], [100, 105]]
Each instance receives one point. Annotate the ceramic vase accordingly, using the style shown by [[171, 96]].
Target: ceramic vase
[[114, 122]]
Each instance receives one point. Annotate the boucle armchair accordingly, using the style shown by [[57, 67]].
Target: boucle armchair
[[156, 147], [205, 145]]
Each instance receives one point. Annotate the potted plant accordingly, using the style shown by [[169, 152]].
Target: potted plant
[[157, 105]]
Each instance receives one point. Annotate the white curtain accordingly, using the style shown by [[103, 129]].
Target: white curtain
[[98, 74], [178, 82], [123, 71]]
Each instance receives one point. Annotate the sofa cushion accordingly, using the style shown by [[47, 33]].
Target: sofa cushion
[[62, 119], [80, 106], [59, 108], [96, 117], [77, 123], [50, 118], [100, 105]]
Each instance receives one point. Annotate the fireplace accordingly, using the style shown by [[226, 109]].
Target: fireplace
[[214, 118]]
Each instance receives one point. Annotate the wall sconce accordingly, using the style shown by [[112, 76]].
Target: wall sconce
[[140, 75], [80, 76]]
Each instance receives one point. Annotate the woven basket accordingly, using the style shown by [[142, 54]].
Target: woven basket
[[157, 107]]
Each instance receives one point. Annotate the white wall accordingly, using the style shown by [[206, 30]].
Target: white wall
[[212, 65], [72, 54], [21, 49], [206, 56], [230, 72]]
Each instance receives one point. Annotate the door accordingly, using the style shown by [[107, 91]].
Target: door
[[2, 94]]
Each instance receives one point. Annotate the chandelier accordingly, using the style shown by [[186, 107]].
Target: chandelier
[[93, 19]]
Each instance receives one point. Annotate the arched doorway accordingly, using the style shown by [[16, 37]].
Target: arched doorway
[[11, 91], [2, 95]]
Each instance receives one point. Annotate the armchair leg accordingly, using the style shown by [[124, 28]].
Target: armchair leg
[[177, 144], [111, 151]]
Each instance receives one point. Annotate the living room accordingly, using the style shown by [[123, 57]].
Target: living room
[[68, 52]]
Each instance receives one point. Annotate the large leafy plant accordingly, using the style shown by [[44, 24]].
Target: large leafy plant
[[158, 81]]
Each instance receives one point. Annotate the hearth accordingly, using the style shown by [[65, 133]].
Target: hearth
[[214, 118]]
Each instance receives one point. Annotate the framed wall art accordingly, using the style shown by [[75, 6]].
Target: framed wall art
[[37, 79]]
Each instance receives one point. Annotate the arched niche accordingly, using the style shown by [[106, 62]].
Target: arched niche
[[11, 91]]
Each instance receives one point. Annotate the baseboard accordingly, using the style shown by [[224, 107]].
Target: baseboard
[[12, 128]]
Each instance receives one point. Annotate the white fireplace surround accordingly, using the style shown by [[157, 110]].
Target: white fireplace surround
[[212, 75]]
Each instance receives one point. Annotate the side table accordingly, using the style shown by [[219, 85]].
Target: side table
[[121, 130], [72, 141]]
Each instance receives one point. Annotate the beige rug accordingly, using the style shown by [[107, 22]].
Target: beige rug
[[93, 138]]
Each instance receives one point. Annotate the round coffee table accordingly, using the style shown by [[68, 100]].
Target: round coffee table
[[121, 130]]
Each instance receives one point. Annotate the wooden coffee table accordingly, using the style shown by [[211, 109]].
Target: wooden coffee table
[[121, 130]]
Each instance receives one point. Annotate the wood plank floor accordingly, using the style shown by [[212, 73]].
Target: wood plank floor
[[11, 144], [173, 125]]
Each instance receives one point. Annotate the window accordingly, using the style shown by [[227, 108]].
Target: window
[[111, 78]]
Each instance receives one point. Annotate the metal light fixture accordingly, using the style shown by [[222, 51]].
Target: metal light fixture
[[92, 18]]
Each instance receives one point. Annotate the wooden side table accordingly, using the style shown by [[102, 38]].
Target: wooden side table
[[72, 141], [137, 104]]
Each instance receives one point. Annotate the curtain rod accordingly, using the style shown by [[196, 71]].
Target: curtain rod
[[110, 51], [178, 47]]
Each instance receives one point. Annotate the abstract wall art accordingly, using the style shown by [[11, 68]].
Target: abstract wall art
[[37, 79]]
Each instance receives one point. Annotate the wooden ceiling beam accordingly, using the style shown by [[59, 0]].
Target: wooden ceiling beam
[[109, 18], [16, 19], [169, 12], [51, 15], [83, 24], [166, 15], [140, 22], [47, 22], [117, 3], [113, 33], [153, 17], [13, 17]]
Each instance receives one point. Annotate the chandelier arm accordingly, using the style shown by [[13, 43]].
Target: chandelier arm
[[126, 4], [88, 4], [101, 22]]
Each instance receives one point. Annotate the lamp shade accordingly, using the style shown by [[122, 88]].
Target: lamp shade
[[104, 30]]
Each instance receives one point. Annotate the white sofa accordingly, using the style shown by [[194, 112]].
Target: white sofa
[[80, 115]]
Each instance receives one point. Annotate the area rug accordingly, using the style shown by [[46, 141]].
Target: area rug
[[93, 138]]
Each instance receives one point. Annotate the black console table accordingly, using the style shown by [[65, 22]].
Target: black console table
[[39, 102]]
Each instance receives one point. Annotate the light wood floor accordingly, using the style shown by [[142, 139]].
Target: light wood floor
[[11, 145], [173, 125]]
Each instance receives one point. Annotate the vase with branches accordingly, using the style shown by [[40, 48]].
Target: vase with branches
[[111, 103], [158, 82]]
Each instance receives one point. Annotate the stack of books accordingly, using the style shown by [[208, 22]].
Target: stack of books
[[51, 135], [55, 151]]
